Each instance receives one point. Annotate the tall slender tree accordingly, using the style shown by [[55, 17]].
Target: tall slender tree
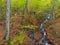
[[25, 11], [53, 16], [28, 6], [8, 20]]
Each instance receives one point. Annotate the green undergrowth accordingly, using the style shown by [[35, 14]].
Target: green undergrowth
[[19, 37], [29, 27]]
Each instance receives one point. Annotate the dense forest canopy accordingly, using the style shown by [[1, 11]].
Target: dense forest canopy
[[33, 5], [37, 6]]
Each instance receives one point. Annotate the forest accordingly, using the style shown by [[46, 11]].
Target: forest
[[29, 22]]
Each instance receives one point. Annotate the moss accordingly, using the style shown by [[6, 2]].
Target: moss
[[29, 27], [19, 37]]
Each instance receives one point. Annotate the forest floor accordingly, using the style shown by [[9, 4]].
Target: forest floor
[[16, 23]]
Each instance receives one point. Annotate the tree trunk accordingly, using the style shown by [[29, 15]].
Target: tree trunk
[[54, 17], [8, 20]]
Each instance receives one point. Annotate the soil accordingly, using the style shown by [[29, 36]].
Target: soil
[[14, 27]]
